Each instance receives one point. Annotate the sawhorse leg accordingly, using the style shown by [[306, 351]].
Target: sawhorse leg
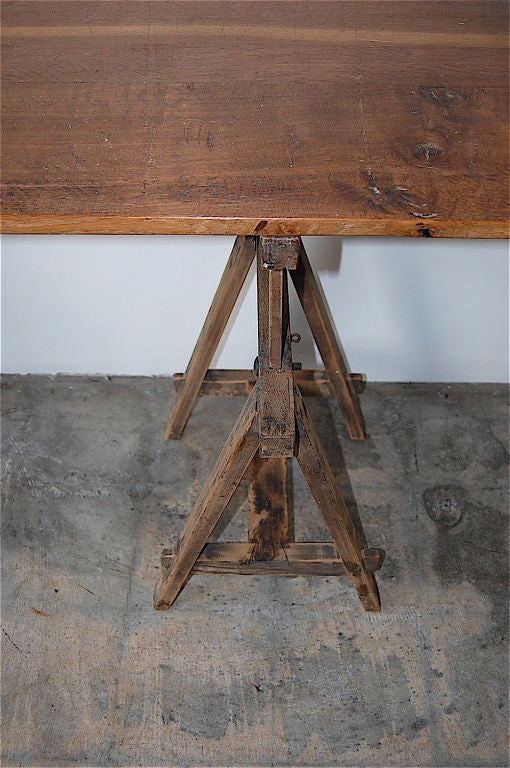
[[223, 303], [323, 329], [232, 463]]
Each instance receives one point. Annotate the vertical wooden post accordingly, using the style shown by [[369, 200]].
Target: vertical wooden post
[[232, 463], [268, 513], [276, 401]]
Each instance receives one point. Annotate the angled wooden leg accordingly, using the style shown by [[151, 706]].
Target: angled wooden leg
[[221, 308], [317, 313], [232, 463], [268, 514], [347, 536]]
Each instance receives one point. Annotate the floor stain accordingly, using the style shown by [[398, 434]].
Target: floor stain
[[445, 504]]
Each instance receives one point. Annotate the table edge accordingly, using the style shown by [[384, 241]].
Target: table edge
[[116, 224]]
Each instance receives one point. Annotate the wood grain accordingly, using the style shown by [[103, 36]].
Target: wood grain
[[316, 309], [221, 382], [345, 530], [232, 463], [276, 398], [295, 559], [277, 118], [268, 507], [223, 303]]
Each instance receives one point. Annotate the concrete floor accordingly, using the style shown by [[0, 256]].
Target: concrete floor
[[250, 671]]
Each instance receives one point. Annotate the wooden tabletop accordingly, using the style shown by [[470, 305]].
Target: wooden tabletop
[[362, 117]]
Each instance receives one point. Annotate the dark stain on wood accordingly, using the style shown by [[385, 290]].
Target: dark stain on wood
[[265, 536], [268, 519], [428, 151], [393, 196], [439, 95]]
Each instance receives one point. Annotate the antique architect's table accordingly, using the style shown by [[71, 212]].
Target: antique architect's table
[[265, 120]]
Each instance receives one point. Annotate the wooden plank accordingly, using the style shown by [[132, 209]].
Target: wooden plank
[[345, 530], [263, 323], [232, 463], [295, 559], [277, 332], [276, 398], [100, 224], [268, 507], [247, 128], [220, 382], [324, 332], [232, 280]]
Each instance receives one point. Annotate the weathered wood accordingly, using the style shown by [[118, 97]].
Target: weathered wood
[[276, 398], [262, 440], [346, 533], [277, 280], [232, 463], [295, 559], [266, 119], [272, 316], [99, 224], [323, 329], [221, 382], [276, 410], [268, 514], [234, 275], [279, 252]]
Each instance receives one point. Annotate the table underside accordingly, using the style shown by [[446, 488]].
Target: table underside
[[363, 118]]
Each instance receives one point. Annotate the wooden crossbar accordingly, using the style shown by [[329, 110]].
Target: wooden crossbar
[[295, 559], [220, 382]]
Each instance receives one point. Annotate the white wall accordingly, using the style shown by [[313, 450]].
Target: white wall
[[406, 309]]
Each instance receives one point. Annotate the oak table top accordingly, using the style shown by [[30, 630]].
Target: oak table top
[[368, 117]]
